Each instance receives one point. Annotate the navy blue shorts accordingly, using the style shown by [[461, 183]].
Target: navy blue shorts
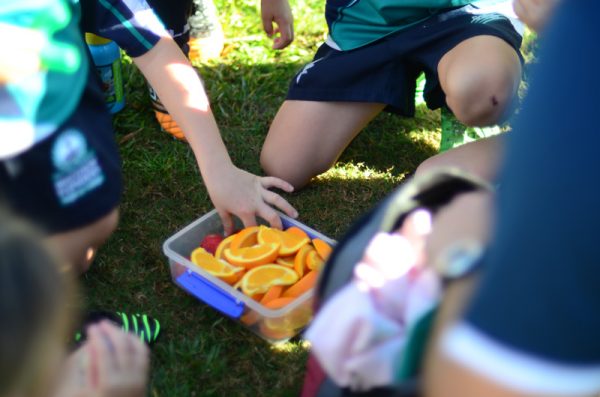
[[385, 71], [73, 177]]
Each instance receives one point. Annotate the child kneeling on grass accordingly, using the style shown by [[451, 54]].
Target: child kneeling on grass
[[370, 62], [59, 163], [35, 296], [482, 157]]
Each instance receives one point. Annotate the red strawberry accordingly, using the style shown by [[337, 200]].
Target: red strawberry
[[211, 242]]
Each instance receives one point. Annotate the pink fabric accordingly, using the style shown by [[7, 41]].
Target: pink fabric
[[360, 333], [313, 379]]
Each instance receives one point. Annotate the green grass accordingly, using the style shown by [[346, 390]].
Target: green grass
[[201, 353]]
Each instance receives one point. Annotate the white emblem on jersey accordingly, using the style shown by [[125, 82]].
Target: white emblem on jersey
[[69, 150], [305, 70]]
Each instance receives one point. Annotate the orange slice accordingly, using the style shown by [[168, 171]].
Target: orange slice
[[290, 243], [251, 257], [314, 261], [218, 268], [279, 303], [252, 317], [306, 283], [297, 231], [261, 278], [267, 235], [245, 238], [222, 246], [323, 249], [258, 297], [287, 261], [300, 260], [273, 293]]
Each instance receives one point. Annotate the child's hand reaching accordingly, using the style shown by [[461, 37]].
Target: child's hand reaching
[[237, 192], [232, 190], [278, 12], [111, 363]]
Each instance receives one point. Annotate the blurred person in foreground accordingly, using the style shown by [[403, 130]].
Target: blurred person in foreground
[[36, 293], [529, 326]]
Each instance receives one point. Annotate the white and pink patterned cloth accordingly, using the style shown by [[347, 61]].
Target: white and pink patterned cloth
[[359, 335]]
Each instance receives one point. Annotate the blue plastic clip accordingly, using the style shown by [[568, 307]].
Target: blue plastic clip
[[210, 294]]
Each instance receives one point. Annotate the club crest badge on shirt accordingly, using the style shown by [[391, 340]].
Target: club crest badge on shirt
[[76, 167]]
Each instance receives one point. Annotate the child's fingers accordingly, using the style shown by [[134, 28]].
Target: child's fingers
[[268, 214], [138, 355], [98, 358], [279, 202], [286, 35], [267, 22], [141, 352], [115, 341], [270, 181], [276, 38], [226, 221], [248, 218]]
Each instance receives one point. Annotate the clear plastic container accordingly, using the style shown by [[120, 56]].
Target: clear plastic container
[[271, 325]]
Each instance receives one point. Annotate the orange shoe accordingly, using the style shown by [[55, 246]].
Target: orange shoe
[[206, 34], [169, 125], [163, 117], [204, 49]]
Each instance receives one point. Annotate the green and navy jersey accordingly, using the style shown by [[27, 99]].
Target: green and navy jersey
[[355, 23], [132, 24], [33, 108]]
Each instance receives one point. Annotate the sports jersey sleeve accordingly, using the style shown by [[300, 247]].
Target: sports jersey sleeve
[[132, 24], [534, 323]]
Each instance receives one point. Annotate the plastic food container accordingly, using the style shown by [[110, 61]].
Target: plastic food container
[[271, 325]]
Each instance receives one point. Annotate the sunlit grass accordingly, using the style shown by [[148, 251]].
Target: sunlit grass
[[358, 171]]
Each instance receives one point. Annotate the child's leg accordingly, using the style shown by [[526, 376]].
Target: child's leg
[[480, 158], [307, 137], [480, 77]]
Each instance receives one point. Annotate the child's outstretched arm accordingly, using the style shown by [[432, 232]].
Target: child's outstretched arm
[[233, 191]]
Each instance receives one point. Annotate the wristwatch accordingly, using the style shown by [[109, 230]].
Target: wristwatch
[[459, 260]]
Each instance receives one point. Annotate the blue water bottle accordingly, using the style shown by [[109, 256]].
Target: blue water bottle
[[107, 58]]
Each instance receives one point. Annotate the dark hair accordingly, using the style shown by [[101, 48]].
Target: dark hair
[[34, 302]]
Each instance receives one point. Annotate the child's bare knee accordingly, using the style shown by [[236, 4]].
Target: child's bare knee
[[296, 171], [271, 162], [480, 101], [275, 164]]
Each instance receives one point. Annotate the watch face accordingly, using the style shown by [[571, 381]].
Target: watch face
[[459, 260]]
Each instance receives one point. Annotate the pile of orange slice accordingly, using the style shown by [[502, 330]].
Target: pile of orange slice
[[273, 267]]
